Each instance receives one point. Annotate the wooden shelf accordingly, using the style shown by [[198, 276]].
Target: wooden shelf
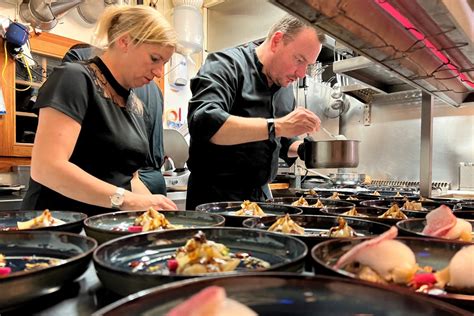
[[27, 114]]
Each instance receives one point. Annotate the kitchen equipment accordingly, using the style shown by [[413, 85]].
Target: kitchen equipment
[[105, 227], [347, 178], [73, 220], [288, 294], [18, 287], [330, 153], [112, 260], [44, 14], [317, 227], [466, 176], [228, 209], [428, 252], [176, 151]]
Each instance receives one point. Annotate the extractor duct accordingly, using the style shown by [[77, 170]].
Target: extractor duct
[[404, 44]]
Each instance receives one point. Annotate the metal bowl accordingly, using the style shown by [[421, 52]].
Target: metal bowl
[[307, 210], [73, 220], [414, 227], [112, 259], [75, 251], [315, 225], [288, 294], [228, 209], [428, 252], [105, 227]]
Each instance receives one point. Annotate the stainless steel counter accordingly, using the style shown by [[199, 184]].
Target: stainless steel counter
[[10, 202]]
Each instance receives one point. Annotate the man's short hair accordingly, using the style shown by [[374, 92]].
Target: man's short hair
[[291, 26]]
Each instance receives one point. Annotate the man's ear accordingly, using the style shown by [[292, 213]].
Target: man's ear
[[276, 39]]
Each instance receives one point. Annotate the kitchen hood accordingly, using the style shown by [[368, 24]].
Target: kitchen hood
[[403, 44]]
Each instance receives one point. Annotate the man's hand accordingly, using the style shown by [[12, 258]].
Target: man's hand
[[298, 122]]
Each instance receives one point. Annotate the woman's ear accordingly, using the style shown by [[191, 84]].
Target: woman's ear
[[123, 42]]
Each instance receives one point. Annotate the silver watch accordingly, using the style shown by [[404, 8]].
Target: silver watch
[[116, 200]]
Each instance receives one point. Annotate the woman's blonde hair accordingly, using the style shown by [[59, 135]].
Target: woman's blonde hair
[[144, 25]]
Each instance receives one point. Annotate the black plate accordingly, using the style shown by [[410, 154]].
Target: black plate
[[227, 209], [21, 286], [288, 294], [74, 220], [315, 224], [464, 214], [104, 227], [414, 227], [284, 253], [371, 213], [389, 195], [466, 206], [428, 252], [328, 203], [385, 205]]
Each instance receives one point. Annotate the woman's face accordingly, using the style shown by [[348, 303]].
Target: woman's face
[[145, 62]]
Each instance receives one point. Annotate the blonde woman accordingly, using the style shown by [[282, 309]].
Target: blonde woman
[[91, 137]]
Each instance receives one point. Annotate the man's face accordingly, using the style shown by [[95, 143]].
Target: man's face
[[291, 59], [146, 61]]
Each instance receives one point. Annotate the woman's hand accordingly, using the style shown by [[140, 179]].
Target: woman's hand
[[134, 201]]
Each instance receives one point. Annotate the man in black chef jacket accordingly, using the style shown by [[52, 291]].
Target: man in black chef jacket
[[242, 114]]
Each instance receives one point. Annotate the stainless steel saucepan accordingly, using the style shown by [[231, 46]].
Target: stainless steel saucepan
[[329, 153]]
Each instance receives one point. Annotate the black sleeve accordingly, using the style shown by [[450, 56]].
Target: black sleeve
[[66, 90], [214, 91], [285, 146]]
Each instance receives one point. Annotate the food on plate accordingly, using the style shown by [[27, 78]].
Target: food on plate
[[335, 196], [25, 263], [394, 212], [199, 256], [412, 206], [442, 223], [398, 195], [353, 212], [211, 301], [318, 204], [4, 270], [376, 193], [286, 225], [342, 230], [44, 220], [457, 276], [300, 202], [381, 259], [151, 220], [250, 209], [352, 198]]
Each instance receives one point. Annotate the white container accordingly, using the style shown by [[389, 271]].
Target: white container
[[187, 21]]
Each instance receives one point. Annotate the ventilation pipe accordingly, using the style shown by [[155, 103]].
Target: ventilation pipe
[[44, 14]]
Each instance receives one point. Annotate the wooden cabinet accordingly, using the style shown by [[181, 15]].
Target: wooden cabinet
[[18, 125]]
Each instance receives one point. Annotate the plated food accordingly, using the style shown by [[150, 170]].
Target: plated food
[[105, 227], [416, 263], [277, 294], [11, 221], [313, 206], [149, 259], [36, 263], [236, 212]]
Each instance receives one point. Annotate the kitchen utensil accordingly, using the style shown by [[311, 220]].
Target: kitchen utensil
[[428, 252], [113, 260], [105, 227], [330, 154], [73, 220], [21, 286], [338, 137], [228, 209], [317, 226], [288, 294]]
